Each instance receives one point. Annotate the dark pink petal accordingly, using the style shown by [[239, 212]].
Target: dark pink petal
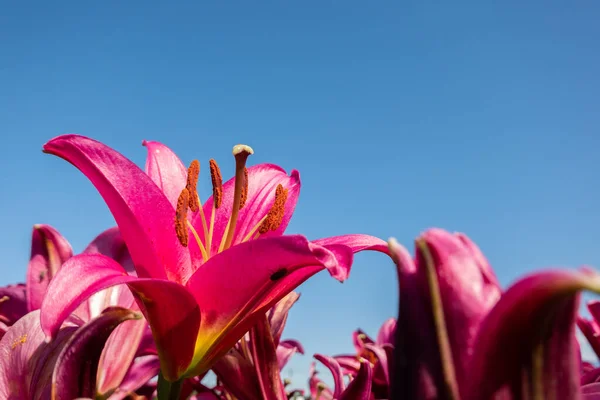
[[387, 332], [336, 372], [286, 349], [359, 339], [318, 389], [262, 182], [264, 356], [350, 363], [166, 170], [77, 365], [118, 355], [174, 329], [591, 332], [278, 315], [594, 308], [381, 372], [238, 375], [142, 212], [256, 275], [141, 371], [528, 339], [49, 250], [591, 392], [360, 387], [345, 246], [27, 361], [13, 303], [111, 244]]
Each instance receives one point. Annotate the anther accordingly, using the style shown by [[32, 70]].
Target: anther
[[192, 185], [244, 189], [241, 153], [275, 216], [217, 183], [181, 217]]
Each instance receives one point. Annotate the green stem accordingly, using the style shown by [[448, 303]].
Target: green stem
[[168, 390]]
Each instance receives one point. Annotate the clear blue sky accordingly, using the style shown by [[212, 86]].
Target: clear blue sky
[[398, 115]]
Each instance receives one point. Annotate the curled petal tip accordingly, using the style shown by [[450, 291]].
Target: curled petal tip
[[144, 142]]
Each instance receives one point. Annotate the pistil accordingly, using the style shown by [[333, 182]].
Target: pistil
[[241, 153]]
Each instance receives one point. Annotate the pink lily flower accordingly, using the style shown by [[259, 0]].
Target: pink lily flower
[[378, 352], [124, 364], [591, 330], [31, 368], [205, 277], [460, 337], [359, 387]]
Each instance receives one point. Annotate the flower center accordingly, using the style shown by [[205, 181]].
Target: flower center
[[189, 199]]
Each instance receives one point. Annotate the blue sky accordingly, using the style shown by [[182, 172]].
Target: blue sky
[[399, 116]]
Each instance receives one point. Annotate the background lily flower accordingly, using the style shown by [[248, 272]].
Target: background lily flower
[[31, 368], [378, 352], [119, 370], [184, 269], [359, 387], [520, 345]]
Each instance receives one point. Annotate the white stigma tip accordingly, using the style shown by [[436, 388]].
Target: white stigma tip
[[242, 148]]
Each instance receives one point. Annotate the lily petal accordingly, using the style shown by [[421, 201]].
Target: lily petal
[[278, 315], [530, 334], [262, 182], [111, 244], [77, 365], [256, 274], [336, 372], [141, 371], [166, 170], [265, 361], [286, 349], [141, 210], [174, 329], [27, 361], [387, 332], [238, 375], [49, 250], [360, 387]]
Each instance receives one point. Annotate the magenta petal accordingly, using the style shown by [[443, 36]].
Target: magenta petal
[[534, 321], [336, 372], [360, 387], [387, 332], [49, 250], [262, 183], [111, 244], [278, 315], [141, 371], [77, 365], [13, 303], [143, 213], [344, 248], [238, 375], [256, 275], [350, 363], [166, 170], [286, 349], [359, 339], [594, 308], [265, 361], [591, 332], [26, 360], [118, 354]]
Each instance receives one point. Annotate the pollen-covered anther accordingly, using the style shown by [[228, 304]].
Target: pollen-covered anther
[[275, 216], [181, 228], [244, 196], [17, 342], [217, 183], [192, 185]]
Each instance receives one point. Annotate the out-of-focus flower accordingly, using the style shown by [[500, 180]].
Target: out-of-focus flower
[[459, 337], [359, 388], [207, 263]]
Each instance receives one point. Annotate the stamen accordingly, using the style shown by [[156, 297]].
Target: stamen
[[192, 185], [241, 153], [244, 189], [200, 245], [217, 183], [276, 213], [181, 217]]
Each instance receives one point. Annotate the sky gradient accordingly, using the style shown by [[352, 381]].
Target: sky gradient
[[399, 116]]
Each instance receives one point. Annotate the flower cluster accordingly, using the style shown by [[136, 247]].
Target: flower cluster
[[184, 287]]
